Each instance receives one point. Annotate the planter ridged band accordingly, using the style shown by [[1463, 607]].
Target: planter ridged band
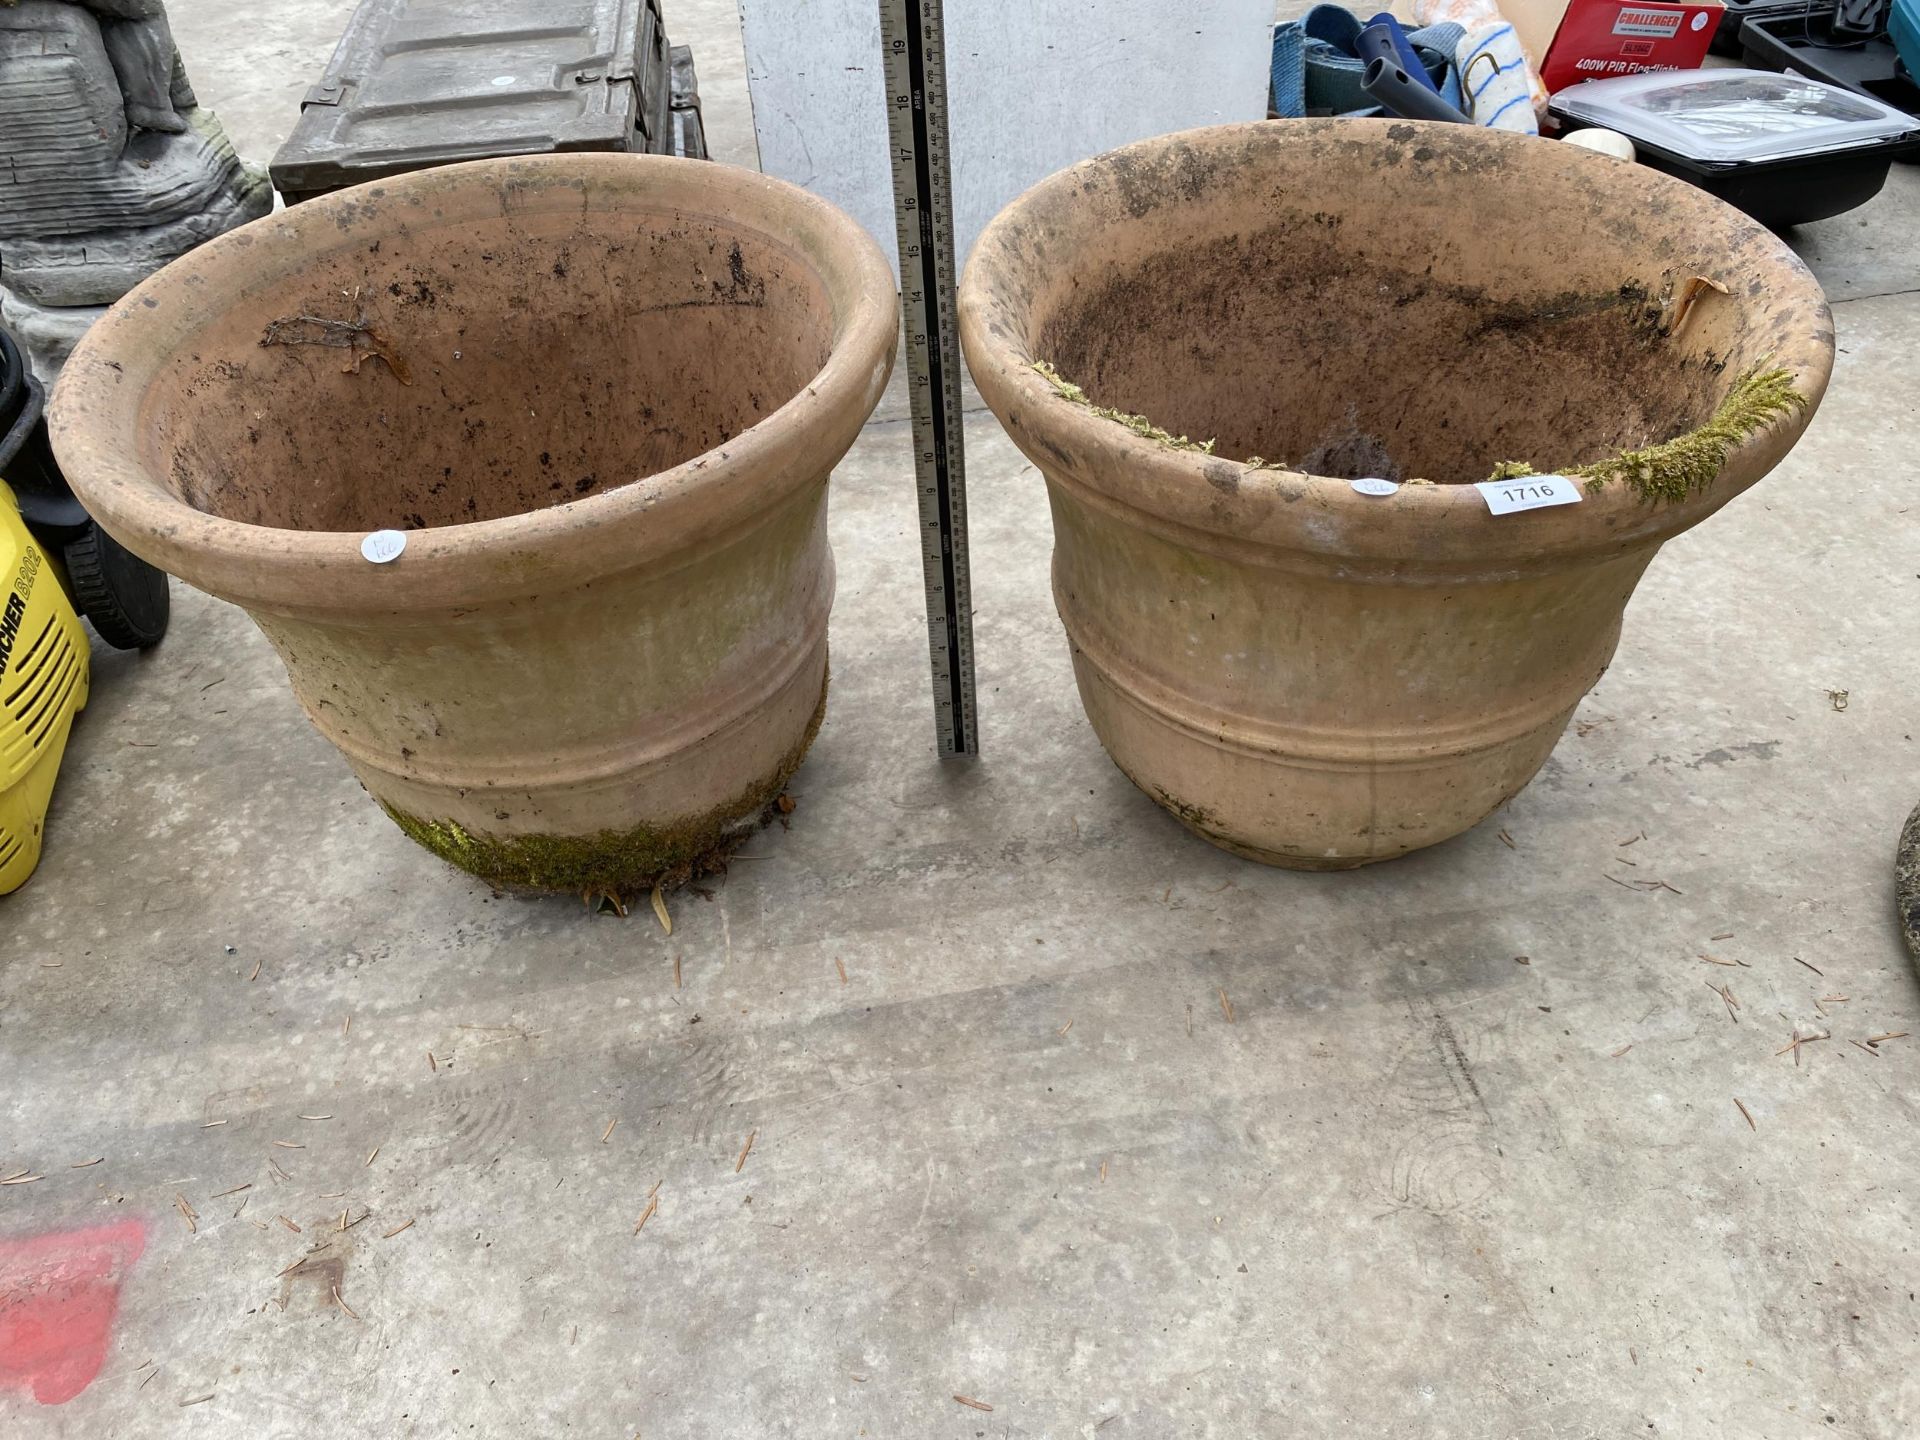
[[602, 396], [1302, 673]]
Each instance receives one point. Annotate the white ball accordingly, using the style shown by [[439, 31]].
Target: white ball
[[1606, 142]]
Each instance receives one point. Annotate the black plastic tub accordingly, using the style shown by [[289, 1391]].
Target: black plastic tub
[[1786, 149], [1741, 13], [1781, 193], [1806, 45]]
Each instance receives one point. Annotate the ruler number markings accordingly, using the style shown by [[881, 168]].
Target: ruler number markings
[[916, 90]]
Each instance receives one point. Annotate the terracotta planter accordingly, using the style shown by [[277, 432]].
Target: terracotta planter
[[601, 395], [1306, 674]]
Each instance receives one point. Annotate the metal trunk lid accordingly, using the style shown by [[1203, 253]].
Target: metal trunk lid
[[415, 83]]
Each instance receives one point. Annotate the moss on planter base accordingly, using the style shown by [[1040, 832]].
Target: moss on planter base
[[614, 862], [1688, 463]]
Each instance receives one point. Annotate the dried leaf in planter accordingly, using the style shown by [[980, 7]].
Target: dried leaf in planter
[[1683, 302]]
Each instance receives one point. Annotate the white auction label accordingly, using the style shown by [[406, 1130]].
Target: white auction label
[[1373, 485], [383, 545], [1528, 492]]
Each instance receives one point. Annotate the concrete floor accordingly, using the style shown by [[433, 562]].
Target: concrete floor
[[1463, 1161]]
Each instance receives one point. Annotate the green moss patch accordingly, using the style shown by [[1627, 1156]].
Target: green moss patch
[[1138, 424], [1669, 471], [614, 863], [1687, 464]]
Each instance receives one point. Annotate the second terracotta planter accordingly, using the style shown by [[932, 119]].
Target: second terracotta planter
[[1203, 340], [600, 397]]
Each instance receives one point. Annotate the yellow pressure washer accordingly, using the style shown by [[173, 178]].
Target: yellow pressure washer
[[55, 565]]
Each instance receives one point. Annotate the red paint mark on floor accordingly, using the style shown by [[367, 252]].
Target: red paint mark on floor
[[58, 1297]]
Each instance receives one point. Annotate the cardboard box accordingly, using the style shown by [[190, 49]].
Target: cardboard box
[[1598, 39], [1534, 21]]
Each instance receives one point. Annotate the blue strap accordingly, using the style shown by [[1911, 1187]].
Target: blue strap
[[1444, 38], [1309, 63], [1287, 76]]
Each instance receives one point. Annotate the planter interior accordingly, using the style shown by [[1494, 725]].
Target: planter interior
[[1353, 336], [543, 369], [1295, 345]]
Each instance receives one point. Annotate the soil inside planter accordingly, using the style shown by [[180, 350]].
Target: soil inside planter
[[456, 374], [1287, 345]]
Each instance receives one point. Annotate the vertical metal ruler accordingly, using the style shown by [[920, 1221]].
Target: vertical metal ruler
[[911, 38]]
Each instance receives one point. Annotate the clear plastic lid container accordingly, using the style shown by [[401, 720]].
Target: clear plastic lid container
[[1732, 115]]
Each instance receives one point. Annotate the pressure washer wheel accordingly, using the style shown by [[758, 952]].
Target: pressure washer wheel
[[123, 597]]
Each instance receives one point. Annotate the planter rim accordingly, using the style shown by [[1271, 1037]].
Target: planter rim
[[98, 404], [1227, 504]]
